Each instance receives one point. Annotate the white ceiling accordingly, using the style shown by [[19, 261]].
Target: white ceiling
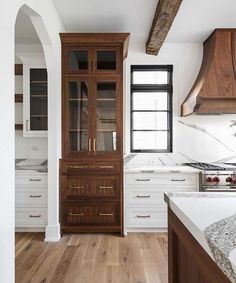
[[194, 22], [196, 19], [134, 16]]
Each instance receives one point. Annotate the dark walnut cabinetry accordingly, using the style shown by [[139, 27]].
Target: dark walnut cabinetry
[[91, 168]]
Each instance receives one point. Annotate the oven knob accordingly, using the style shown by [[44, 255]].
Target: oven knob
[[229, 180], [209, 179], [216, 179]]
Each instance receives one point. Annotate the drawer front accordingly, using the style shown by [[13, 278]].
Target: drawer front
[[146, 217], [78, 213], [151, 196], [75, 187], [106, 187], [93, 167], [31, 217], [161, 179], [80, 187], [32, 197], [32, 180]]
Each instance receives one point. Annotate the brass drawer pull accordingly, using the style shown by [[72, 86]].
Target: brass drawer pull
[[94, 145], [76, 214], [90, 144], [35, 196], [35, 216], [143, 196], [106, 166], [178, 180], [78, 166], [35, 180], [104, 187], [142, 180], [105, 214], [143, 216], [147, 171], [77, 187]]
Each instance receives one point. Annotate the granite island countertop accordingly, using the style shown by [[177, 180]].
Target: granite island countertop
[[211, 219], [29, 165]]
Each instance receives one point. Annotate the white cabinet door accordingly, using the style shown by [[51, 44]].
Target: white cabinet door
[[35, 110]]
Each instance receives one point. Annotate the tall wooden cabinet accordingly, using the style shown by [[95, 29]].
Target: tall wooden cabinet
[[91, 168]]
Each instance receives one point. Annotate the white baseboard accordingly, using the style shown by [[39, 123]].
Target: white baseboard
[[145, 230], [30, 229], [52, 233]]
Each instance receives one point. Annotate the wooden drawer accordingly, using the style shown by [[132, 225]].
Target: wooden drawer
[[172, 179], [34, 180], [31, 217], [91, 213], [151, 196], [31, 198], [101, 167], [91, 186], [146, 217]]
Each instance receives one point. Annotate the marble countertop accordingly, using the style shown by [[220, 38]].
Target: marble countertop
[[211, 219], [160, 169], [35, 165], [159, 163]]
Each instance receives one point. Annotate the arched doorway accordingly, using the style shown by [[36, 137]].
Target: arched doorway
[[52, 62]]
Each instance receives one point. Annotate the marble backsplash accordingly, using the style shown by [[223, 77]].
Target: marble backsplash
[[196, 138]]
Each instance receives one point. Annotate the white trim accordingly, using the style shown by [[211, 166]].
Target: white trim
[[52, 233], [143, 230], [29, 229]]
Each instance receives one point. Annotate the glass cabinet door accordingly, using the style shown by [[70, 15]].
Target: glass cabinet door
[[106, 117], [107, 60], [78, 59], [38, 100], [78, 95]]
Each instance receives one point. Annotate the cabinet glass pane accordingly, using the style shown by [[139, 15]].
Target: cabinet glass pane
[[78, 115], [106, 116], [38, 100], [78, 60], [150, 140], [106, 60]]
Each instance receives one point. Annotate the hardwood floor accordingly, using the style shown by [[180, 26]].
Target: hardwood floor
[[138, 258]]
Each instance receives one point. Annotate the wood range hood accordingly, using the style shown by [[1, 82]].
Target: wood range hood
[[214, 91]]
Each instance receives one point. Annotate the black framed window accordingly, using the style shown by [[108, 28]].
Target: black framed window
[[151, 108]]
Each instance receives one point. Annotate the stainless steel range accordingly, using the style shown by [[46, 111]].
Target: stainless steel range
[[216, 177]]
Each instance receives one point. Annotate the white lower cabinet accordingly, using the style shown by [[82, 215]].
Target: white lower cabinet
[[144, 206], [31, 201]]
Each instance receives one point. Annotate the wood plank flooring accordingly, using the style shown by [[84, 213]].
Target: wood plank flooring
[[85, 258]]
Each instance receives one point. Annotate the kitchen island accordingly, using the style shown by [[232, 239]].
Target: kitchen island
[[202, 237]]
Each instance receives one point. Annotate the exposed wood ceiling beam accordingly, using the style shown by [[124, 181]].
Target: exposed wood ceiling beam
[[164, 16]]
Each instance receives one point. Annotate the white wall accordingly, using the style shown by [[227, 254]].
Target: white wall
[[31, 148], [213, 139], [53, 25]]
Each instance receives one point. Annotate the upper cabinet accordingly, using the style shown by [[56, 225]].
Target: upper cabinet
[[35, 101], [97, 59], [35, 95], [92, 112], [92, 94]]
